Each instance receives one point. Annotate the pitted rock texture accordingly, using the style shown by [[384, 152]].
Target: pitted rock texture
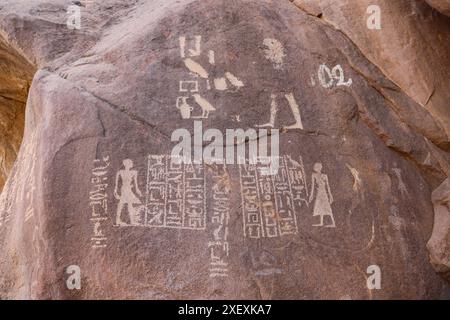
[[363, 143]]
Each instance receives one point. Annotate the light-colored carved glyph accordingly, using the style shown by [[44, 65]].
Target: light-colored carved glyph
[[274, 52], [189, 49]]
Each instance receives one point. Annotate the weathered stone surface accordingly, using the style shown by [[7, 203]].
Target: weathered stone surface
[[442, 6], [15, 80], [103, 106], [412, 49], [439, 243]]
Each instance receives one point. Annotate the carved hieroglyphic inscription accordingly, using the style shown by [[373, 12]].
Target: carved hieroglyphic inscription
[[219, 246], [175, 196], [98, 201], [270, 202], [198, 82]]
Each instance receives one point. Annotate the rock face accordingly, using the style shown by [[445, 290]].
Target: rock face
[[439, 244], [363, 142], [442, 6], [15, 79], [411, 48]]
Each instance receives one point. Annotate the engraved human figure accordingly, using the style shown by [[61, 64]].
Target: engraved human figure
[[128, 178], [275, 53], [321, 190], [274, 110], [401, 184]]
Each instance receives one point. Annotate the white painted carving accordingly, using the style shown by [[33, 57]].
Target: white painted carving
[[270, 202], [188, 86], [175, 194], [129, 193], [184, 108], [98, 200], [212, 57], [338, 74], [295, 111], [196, 68], [320, 189], [219, 246], [188, 50], [357, 183], [205, 105], [295, 108], [234, 80], [327, 77], [237, 118], [273, 112], [194, 50], [220, 84], [183, 47], [274, 52]]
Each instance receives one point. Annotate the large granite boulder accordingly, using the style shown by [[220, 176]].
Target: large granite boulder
[[95, 189]]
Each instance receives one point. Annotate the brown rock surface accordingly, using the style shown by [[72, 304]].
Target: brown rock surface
[[439, 243], [15, 79], [442, 6], [412, 49], [103, 106]]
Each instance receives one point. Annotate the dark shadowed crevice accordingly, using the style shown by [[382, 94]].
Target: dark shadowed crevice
[[16, 74]]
